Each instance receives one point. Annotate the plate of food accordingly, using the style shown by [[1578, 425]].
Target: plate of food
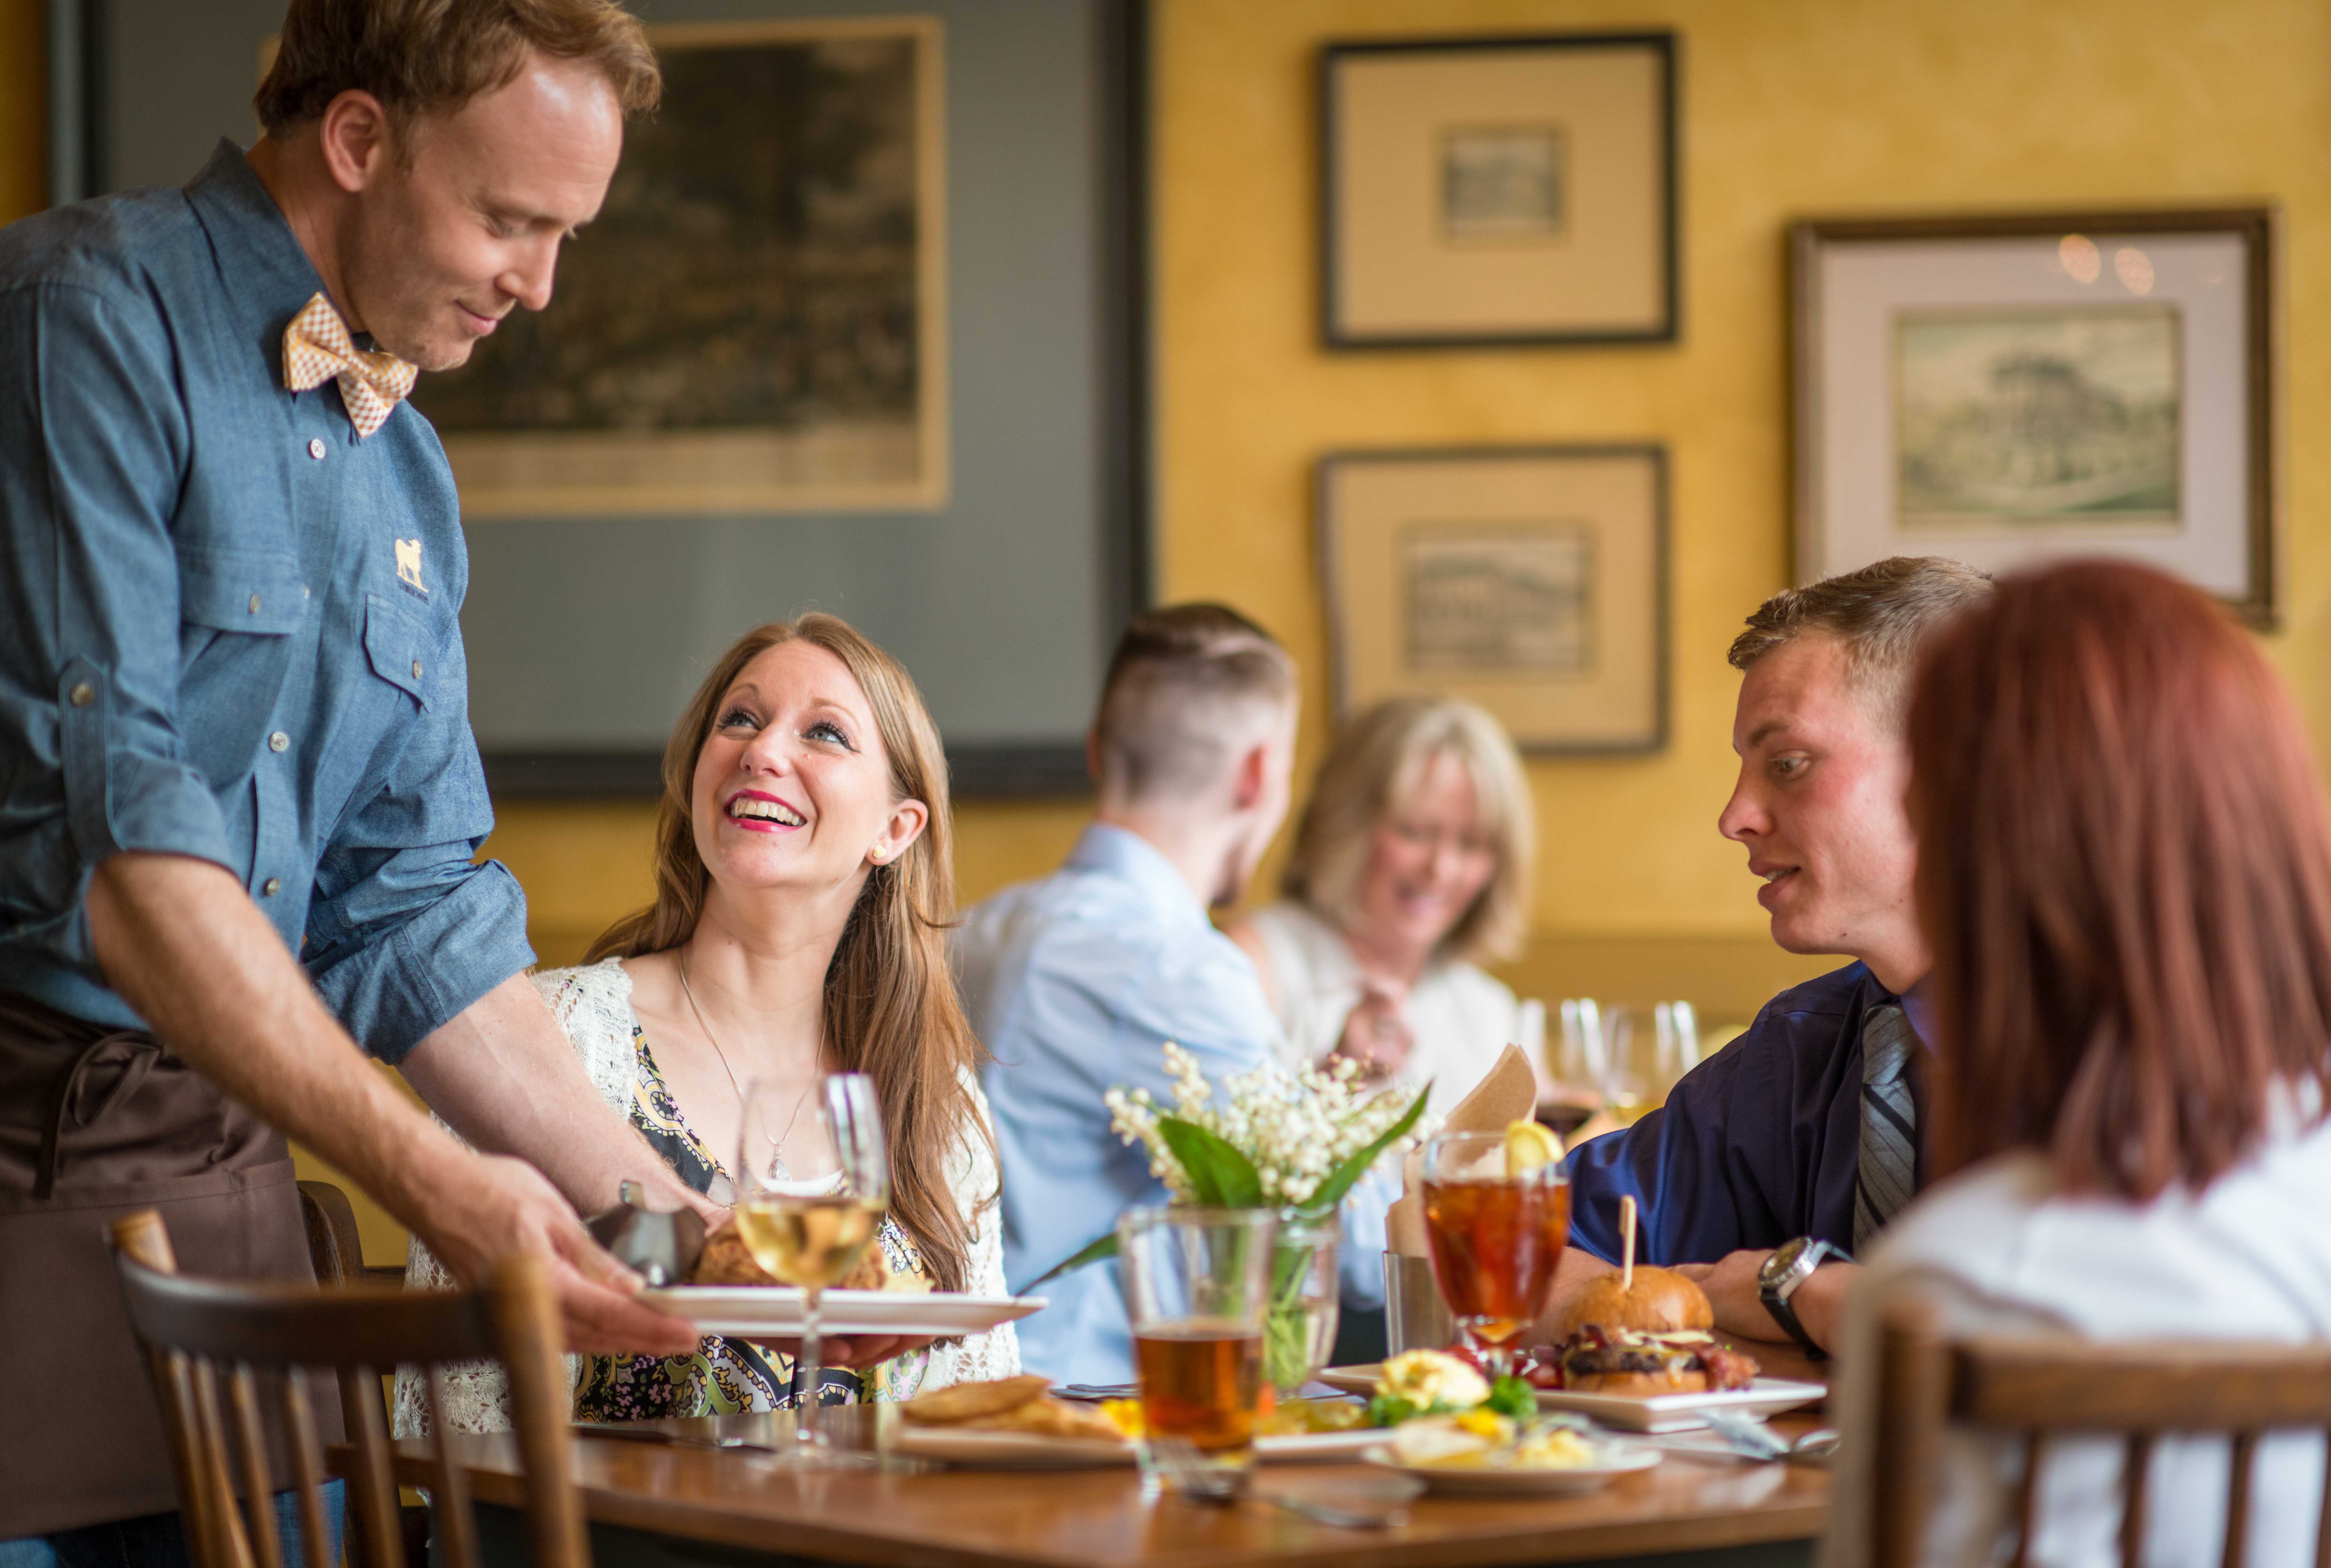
[[1636, 1352], [728, 1292], [1483, 1453], [1013, 1423]]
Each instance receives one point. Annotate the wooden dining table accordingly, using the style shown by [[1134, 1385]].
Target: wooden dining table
[[653, 1504]]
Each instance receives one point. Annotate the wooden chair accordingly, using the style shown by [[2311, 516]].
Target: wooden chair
[[333, 1242], [208, 1340], [2038, 1389]]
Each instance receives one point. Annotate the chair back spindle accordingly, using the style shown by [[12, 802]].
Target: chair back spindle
[[2037, 1390], [212, 1347]]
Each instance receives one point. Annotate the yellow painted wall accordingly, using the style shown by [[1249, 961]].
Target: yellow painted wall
[[24, 104]]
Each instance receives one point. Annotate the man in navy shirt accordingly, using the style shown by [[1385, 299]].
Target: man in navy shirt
[[1800, 1136]]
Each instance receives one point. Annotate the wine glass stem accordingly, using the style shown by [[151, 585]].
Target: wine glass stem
[[809, 1370]]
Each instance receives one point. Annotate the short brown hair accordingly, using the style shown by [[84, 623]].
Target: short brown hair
[[1881, 613], [1174, 668], [1368, 773], [433, 56], [2124, 873]]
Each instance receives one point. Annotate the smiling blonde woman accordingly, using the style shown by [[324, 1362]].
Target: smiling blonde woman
[[1412, 862]]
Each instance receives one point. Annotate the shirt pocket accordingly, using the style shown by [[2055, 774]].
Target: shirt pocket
[[401, 646], [232, 590]]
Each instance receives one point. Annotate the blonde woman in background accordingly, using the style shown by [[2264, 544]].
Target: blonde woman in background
[[803, 882], [1412, 862]]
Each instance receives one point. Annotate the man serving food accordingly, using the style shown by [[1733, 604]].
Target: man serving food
[[241, 794]]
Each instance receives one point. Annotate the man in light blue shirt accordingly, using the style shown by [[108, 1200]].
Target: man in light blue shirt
[[1076, 982]]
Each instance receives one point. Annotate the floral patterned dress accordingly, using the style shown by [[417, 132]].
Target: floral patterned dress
[[726, 1376]]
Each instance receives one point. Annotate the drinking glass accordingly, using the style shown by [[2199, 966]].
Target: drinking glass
[[1197, 1288], [1645, 1051], [1576, 1067], [1496, 1239], [1300, 1332], [813, 1183]]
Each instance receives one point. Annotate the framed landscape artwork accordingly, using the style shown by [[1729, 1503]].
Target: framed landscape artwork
[[1499, 191], [788, 201], [1530, 580], [2009, 390]]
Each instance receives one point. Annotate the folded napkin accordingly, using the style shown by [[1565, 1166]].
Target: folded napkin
[[1508, 1094]]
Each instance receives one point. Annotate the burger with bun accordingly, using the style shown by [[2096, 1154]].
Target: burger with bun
[[1639, 1332]]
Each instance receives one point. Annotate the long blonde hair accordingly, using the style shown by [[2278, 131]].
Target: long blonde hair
[[890, 1007], [1375, 764]]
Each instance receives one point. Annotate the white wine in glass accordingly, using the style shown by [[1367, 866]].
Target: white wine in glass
[[813, 1183]]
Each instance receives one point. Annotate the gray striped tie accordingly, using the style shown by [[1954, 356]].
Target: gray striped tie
[[1890, 1123]]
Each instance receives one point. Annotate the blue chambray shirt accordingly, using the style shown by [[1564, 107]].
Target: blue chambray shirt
[[228, 628], [1075, 983]]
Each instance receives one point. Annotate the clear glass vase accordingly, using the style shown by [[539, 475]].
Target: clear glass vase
[[1300, 1333]]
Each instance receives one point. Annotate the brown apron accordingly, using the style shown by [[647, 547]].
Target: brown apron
[[96, 1123]]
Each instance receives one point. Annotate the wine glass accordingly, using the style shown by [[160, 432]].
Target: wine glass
[[1646, 1051], [813, 1183]]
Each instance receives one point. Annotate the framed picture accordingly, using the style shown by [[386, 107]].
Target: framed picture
[[767, 380], [2014, 389], [1530, 580], [1499, 191], [789, 197]]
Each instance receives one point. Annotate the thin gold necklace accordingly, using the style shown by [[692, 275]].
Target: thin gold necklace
[[690, 992]]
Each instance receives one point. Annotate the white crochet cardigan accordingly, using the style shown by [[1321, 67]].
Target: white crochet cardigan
[[594, 1005]]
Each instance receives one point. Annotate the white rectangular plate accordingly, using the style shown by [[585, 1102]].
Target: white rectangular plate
[[776, 1310], [1666, 1412], [974, 1449]]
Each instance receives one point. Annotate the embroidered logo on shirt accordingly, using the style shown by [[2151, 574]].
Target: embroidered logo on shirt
[[408, 566]]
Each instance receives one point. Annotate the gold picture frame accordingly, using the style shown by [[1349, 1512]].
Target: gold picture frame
[[1532, 581], [662, 442], [1486, 191]]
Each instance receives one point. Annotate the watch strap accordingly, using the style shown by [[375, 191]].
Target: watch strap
[[1817, 1252]]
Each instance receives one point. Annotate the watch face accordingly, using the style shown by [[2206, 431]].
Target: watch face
[[1782, 1262]]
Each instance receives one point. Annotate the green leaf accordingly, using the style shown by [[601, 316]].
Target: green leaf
[[1339, 1181], [1221, 1177], [1513, 1397], [1387, 1411], [1090, 1253]]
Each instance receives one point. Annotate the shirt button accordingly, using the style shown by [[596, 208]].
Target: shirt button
[[254, 604], [303, 590], [316, 447], [272, 885], [278, 741], [416, 670], [83, 695]]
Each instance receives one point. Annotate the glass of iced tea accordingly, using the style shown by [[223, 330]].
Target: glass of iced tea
[[1197, 1288], [813, 1183], [1496, 1234]]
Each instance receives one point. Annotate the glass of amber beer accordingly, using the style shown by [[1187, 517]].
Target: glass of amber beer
[[1495, 1235], [1197, 1286]]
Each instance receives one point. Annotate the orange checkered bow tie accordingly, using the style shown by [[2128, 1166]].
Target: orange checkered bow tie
[[317, 348]]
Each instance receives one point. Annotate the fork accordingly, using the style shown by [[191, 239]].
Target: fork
[[1748, 1435], [1186, 1470]]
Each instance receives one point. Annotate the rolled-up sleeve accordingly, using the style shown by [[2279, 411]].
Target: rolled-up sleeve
[[92, 453], [407, 929]]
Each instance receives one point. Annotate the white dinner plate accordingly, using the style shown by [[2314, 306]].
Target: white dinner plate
[[1613, 1460], [1666, 1412], [973, 1449], [776, 1310]]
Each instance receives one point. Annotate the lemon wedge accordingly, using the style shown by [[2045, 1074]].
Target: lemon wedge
[[1528, 1145]]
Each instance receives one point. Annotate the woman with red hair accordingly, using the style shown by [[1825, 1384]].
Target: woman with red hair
[[2124, 872]]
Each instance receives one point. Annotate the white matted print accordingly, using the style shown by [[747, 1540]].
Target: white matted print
[[2011, 390], [1529, 580]]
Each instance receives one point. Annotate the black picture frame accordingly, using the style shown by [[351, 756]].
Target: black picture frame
[[2254, 225], [1345, 701], [1666, 45], [86, 46]]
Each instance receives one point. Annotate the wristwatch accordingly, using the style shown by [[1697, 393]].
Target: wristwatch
[[1791, 1265]]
